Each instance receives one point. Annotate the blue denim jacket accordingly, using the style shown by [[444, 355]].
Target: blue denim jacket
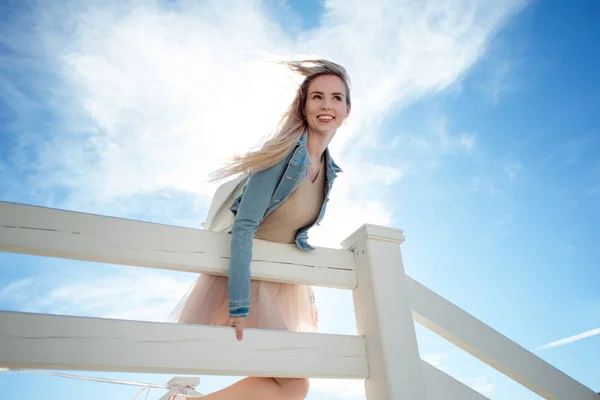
[[265, 191]]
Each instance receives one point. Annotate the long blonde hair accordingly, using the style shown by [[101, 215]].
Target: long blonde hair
[[292, 124]]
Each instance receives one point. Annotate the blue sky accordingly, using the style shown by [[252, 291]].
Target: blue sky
[[474, 128]]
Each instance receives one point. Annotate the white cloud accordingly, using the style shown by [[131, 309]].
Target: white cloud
[[571, 339], [156, 97], [427, 147], [468, 141], [110, 292], [16, 291], [434, 359], [513, 169], [500, 83], [485, 185], [346, 389], [481, 384]]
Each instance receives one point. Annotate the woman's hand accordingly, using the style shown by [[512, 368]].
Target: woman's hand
[[238, 324]]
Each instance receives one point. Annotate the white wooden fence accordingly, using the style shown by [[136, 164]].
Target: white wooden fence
[[387, 302]]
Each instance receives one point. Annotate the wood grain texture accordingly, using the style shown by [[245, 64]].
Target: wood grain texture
[[55, 342], [73, 235]]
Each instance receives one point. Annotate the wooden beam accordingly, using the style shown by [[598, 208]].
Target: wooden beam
[[54, 342], [73, 235], [467, 332], [42, 341]]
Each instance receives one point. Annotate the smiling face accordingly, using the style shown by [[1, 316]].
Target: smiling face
[[326, 105]]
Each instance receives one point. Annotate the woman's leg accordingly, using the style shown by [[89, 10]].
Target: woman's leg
[[262, 389], [255, 388]]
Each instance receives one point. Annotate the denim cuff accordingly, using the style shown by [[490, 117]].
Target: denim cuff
[[238, 312]]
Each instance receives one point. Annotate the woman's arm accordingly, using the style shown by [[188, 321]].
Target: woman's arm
[[254, 203]]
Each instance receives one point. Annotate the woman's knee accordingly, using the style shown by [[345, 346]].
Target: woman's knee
[[296, 388]]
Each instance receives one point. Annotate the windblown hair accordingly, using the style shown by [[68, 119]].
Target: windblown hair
[[292, 124]]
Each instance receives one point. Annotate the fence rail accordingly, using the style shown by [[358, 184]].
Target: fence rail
[[79, 236], [385, 353], [95, 344], [470, 334]]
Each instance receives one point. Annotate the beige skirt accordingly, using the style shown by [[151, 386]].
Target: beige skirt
[[273, 305]]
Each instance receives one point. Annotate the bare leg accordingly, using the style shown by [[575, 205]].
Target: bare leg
[[262, 389]]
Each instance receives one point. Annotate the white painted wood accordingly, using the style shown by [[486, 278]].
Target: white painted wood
[[441, 386], [383, 315], [66, 234], [383, 299], [54, 342], [493, 348]]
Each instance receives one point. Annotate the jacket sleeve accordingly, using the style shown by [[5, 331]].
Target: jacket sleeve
[[253, 205]]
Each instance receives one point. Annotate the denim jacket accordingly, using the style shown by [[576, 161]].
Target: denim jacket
[[265, 191]]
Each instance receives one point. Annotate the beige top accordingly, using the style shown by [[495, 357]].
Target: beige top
[[301, 209]]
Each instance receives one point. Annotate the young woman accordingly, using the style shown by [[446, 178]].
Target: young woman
[[289, 183]]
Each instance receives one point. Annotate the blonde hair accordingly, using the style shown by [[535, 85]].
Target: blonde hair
[[292, 124]]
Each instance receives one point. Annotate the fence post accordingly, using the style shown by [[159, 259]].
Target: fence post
[[384, 316]]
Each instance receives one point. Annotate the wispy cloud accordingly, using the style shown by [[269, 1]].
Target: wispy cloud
[[513, 169], [141, 90], [426, 148], [124, 293], [500, 82], [438, 139], [434, 359], [468, 141], [571, 339], [486, 185], [346, 389], [480, 384], [16, 290]]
